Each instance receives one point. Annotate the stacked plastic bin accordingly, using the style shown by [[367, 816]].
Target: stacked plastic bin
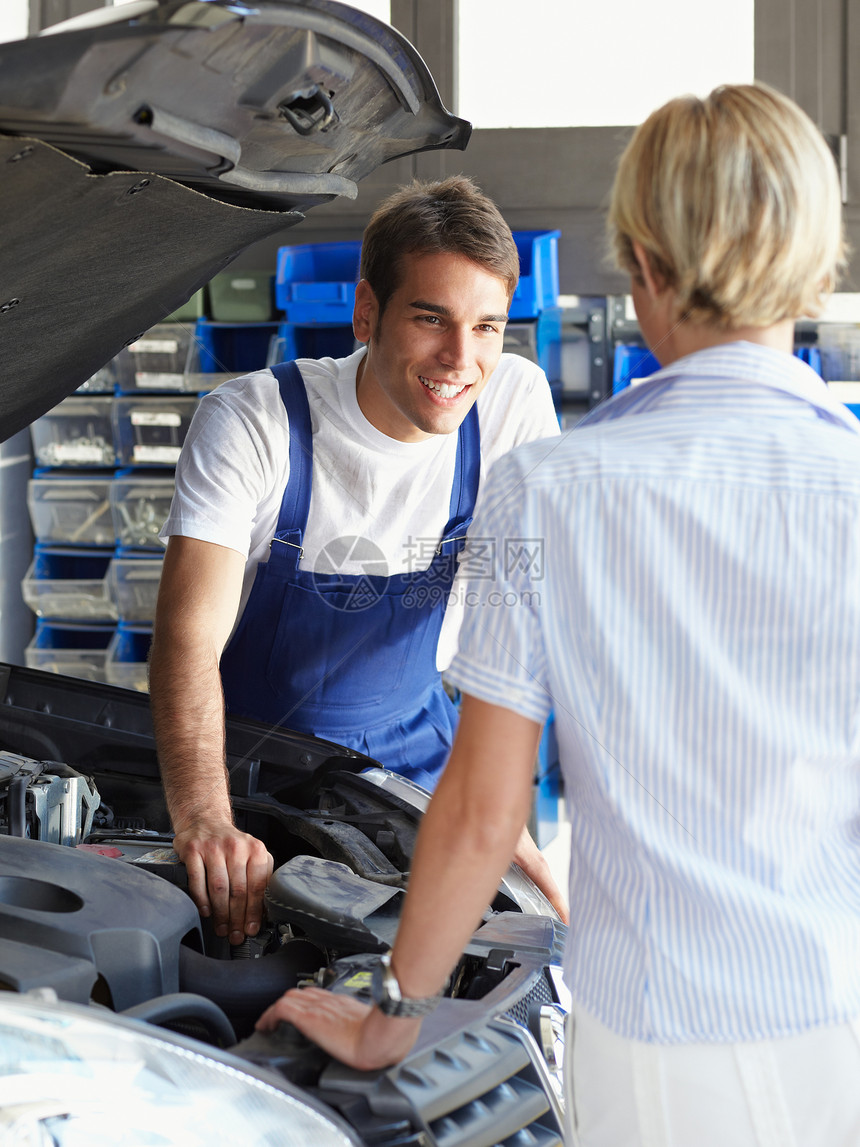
[[534, 331], [632, 363], [90, 584], [534, 318], [152, 411], [839, 356], [237, 331], [315, 293], [103, 481]]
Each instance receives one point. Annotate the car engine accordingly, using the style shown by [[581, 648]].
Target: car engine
[[93, 904]]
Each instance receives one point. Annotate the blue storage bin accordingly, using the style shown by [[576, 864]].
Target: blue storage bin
[[114, 376], [538, 340], [315, 282], [133, 579], [224, 350], [811, 355], [70, 508], [538, 285], [232, 348], [139, 505], [150, 430], [631, 362], [69, 584], [77, 432], [72, 649], [159, 359], [127, 656], [296, 340]]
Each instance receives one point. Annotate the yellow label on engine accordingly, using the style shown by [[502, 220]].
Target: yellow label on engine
[[359, 981]]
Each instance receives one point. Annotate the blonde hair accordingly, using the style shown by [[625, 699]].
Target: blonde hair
[[736, 200]]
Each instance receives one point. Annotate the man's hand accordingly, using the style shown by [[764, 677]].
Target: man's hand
[[228, 871], [533, 863], [358, 1035]]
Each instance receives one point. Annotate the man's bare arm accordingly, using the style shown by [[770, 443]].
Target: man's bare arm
[[465, 843], [197, 604]]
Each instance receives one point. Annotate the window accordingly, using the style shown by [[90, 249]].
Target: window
[[381, 9], [14, 16], [552, 63]]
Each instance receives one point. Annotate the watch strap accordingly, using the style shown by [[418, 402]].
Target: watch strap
[[390, 1000]]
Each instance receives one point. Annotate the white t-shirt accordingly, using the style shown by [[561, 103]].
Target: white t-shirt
[[377, 505]]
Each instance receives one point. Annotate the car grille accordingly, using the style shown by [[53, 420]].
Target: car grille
[[484, 1087], [540, 993]]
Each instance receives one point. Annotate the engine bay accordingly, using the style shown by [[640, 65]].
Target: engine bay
[[94, 902]]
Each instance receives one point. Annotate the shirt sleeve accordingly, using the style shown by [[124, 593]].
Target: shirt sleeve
[[515, 408], [229, 466], [501, 657]]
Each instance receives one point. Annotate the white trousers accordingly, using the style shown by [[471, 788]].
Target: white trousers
[[801, 1091]]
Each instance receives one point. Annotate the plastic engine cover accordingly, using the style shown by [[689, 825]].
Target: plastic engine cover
[[69, 917], [333, 905]]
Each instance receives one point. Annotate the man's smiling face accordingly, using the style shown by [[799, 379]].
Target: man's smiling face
[[433, 350]]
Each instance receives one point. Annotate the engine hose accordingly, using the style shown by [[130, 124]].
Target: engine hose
[[243, 989], [185, 1006], [60, 769]]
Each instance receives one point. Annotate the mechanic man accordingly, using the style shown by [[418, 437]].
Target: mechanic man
[[698, 641], [319, 513]]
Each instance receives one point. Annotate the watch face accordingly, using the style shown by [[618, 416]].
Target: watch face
[[380, 985]]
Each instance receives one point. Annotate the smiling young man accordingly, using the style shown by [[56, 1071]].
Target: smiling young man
[[320, 511]]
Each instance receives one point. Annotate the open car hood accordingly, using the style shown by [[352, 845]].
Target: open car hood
[[144, 148]]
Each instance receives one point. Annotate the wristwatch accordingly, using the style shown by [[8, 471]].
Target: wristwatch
[[387, 996]]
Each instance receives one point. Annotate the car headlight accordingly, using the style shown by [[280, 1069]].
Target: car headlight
[[515, 884], [398, 786], [75, 1076]]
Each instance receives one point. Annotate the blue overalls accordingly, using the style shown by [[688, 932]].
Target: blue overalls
[[350, 658]]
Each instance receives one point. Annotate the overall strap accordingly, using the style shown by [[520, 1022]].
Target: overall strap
[[295, 504], [467, 470]]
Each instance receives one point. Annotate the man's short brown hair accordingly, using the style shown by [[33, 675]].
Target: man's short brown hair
[[451, 215]]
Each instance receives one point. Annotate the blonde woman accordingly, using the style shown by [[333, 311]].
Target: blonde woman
[[697, 637]]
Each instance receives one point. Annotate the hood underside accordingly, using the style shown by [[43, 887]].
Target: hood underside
[[141, 156]]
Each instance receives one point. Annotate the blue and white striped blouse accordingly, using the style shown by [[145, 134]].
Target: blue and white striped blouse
[[678, 578]]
